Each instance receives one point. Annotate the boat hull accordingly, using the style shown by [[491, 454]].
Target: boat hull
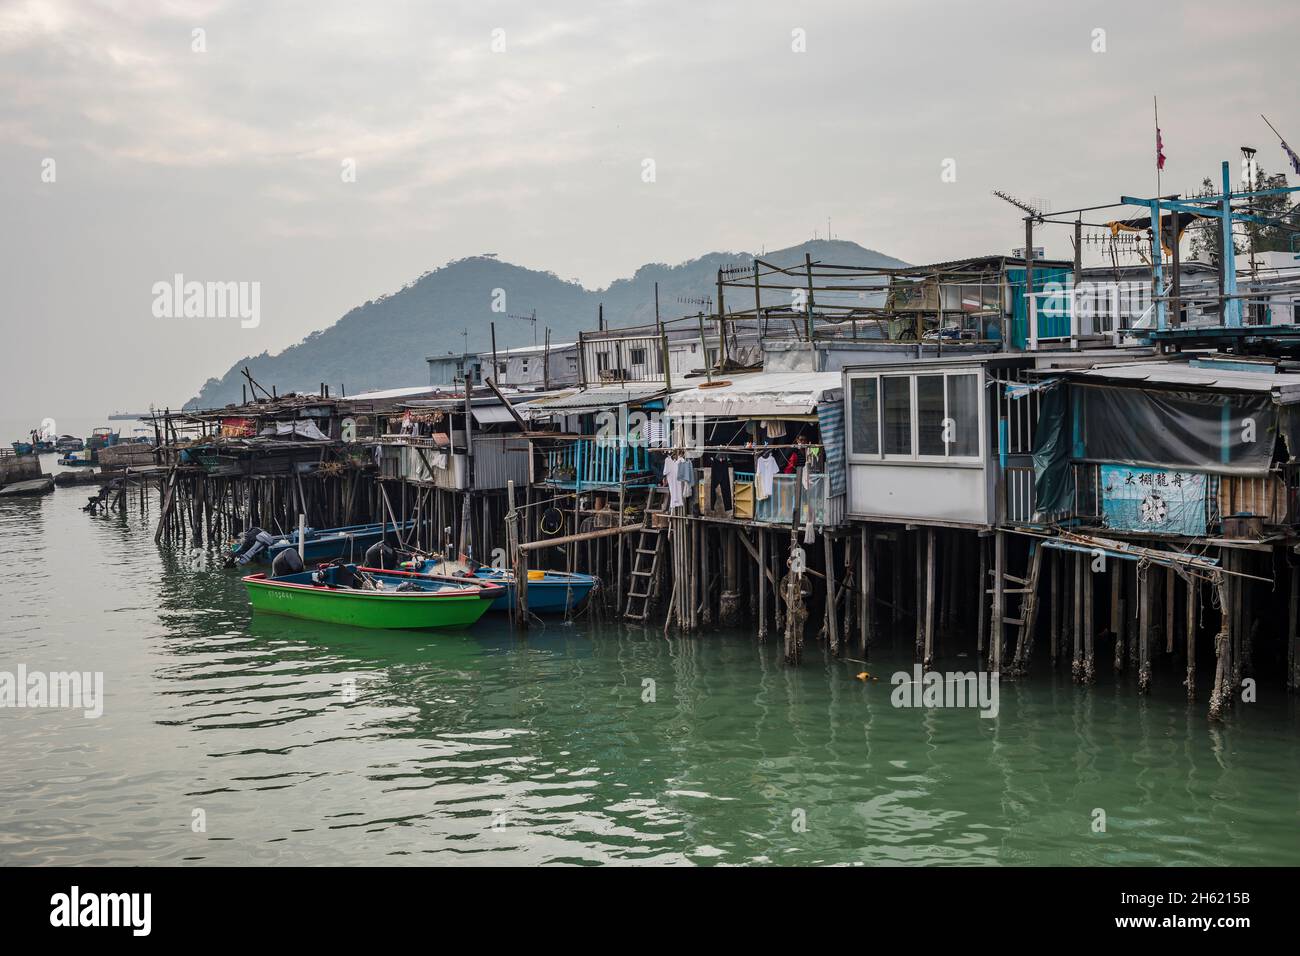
[[451, 606], [545, 596], [555, 593], [333, 544]]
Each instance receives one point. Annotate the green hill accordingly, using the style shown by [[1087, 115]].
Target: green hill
[[383, 343]]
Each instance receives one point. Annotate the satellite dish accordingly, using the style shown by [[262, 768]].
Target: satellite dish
[[348, 429]]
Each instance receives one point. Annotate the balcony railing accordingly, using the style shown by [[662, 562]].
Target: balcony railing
[[779, 505], [598, 463]]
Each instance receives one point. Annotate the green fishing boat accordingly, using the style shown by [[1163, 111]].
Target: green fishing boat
[[370, 597]]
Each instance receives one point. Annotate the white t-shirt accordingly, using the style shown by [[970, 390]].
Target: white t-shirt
[[764, 469]]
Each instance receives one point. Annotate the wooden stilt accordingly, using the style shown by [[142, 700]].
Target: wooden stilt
[[981, 595], [1169, 610], [999, 607], [1220, 696], [1144, 630], [919, 537], [1076, 660], [1193, 585], [1089, 631], [832, 625], [1293, 634], [1056, 604], [867, 590], [928, 653]]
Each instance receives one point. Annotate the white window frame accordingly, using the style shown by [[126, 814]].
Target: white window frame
[[880, 457]]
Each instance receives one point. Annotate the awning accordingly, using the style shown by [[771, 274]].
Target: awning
[[491, 414], [760, 395]]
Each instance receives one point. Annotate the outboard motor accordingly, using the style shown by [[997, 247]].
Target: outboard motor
[[381, 555], [286, 562], [253, 543]]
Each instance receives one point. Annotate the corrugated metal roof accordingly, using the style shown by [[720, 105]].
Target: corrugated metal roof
[[590, 399], [761, 395], [1284, 385]]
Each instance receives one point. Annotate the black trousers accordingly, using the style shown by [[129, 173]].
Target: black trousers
[[720, 477]]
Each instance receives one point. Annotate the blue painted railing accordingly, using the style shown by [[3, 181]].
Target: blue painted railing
[[598, 462]]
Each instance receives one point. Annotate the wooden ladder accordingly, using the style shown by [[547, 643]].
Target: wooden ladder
[[645, 563], [1028, 607]]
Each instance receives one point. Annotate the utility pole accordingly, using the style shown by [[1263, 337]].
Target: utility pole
[[812, 346], [722, 326]]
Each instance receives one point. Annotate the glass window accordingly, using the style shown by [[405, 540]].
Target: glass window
[[864, 406], [638, 356], [896, 425], [930, 415], [964, 410]]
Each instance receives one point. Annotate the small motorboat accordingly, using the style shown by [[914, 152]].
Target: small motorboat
[[23, 447], [67, 443], [370, 597], [35, 486], [320, 544], [549, 592], [78, 459]]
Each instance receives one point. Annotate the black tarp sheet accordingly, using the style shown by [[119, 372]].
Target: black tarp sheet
[[1220, 432], [1224, 432], [1053, 476]]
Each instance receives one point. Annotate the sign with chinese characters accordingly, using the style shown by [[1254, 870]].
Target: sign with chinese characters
[[1153, 499]]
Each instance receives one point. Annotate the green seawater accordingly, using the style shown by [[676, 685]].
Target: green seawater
[[229, 738]]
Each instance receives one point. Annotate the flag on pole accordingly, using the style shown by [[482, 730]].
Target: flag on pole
[[1160, 150], [1290, 153], [1295, 160]]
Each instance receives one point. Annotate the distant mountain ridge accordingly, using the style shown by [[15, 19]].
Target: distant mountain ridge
[[383, 343]]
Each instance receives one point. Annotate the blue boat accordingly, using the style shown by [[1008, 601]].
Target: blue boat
[[38, 447], [549, 592], [78, 459], [321, 544]]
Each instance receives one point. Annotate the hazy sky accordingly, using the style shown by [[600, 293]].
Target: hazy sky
[[228, 163]]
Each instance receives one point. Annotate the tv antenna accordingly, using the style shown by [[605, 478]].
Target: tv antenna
[[1035, 207], [527, 318]]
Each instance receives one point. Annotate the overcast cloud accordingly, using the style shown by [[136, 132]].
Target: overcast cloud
[[225, 164]]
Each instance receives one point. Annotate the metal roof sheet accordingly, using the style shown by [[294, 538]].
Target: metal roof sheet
[[491, 414], [761, 395], [591, 399], [1284, 385]]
